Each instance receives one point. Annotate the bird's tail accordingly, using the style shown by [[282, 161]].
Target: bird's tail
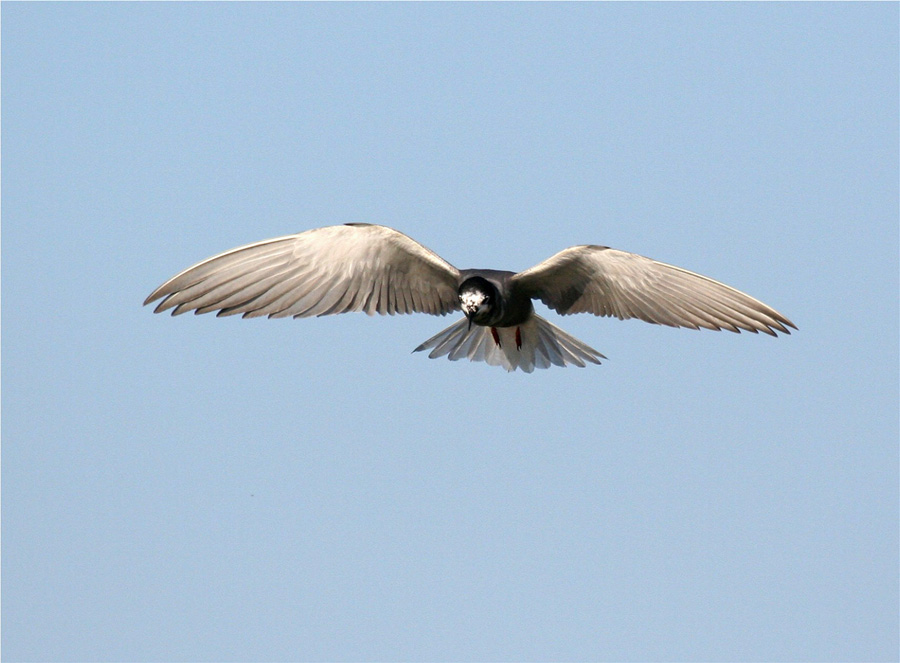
[[534, 344]]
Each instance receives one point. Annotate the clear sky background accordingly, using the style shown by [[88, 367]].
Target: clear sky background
[[199, 489]]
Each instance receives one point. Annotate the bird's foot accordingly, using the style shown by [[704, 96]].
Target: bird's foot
[[496, 336]]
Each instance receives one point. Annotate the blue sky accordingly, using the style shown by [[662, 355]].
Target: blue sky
[[205, 489]]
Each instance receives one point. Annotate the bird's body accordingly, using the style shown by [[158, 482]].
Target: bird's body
[[363, 267], [510, 306]]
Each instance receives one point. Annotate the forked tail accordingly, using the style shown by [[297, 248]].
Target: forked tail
[[534, 344]]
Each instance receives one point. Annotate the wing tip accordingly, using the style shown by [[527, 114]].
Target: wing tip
[[153, 296]]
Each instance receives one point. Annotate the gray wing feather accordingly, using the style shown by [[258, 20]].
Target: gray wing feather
[[356, 267], [608, 282]]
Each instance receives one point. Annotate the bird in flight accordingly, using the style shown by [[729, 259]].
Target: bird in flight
[[371, 268]]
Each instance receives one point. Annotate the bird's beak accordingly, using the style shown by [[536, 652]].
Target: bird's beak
[[469, 313]]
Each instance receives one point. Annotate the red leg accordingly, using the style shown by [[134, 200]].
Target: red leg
[[518, 338], [496, 336]]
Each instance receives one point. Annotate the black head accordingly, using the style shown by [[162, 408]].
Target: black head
[[478, 298]]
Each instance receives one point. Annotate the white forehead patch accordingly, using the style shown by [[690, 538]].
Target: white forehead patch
[[472, 298]]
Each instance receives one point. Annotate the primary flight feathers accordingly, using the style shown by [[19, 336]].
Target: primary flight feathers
[[362, 267]]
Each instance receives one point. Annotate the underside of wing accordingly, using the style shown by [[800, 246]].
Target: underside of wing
[[608, 282], [336, 269]]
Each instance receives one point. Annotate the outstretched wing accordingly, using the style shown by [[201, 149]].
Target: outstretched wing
[[355, 267], [607, 282]]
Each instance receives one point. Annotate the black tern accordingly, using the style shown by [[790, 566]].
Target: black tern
[[371, 268]]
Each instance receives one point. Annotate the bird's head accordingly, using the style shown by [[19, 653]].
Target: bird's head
[[477, 299]]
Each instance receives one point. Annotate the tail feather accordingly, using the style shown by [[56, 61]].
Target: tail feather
[[542, 345]]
